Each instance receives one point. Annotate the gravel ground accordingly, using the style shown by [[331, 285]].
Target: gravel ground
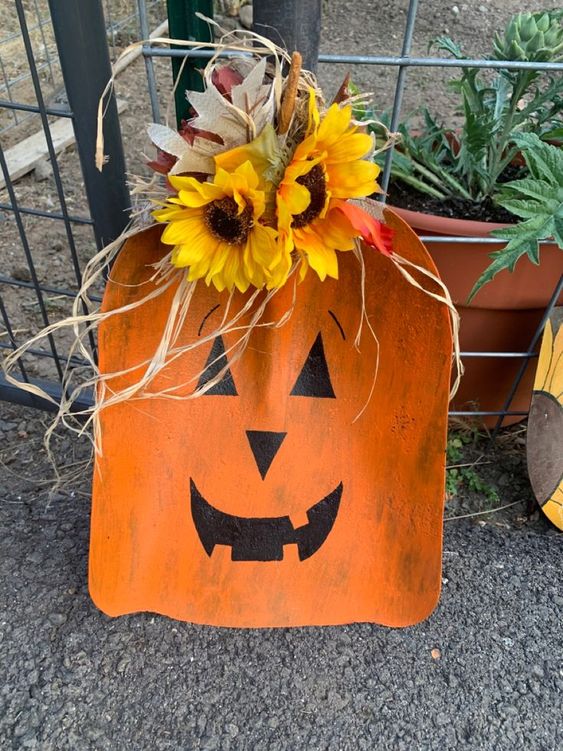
[[483, 672]]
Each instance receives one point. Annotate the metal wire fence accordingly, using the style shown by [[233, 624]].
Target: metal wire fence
[[16, 85], [106, 193]]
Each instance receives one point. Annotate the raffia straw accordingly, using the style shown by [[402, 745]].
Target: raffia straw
[[290, 93], [358, 252]]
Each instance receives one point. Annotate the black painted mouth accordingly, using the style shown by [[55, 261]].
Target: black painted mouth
[[262, 539]]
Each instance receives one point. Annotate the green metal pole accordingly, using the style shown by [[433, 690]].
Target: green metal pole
[[184, 24]]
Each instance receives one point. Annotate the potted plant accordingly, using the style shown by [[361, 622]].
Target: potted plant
[[499, 174]]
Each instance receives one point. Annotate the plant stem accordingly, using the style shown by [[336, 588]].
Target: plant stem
[[419, 185], [428, 174], [498, 147]]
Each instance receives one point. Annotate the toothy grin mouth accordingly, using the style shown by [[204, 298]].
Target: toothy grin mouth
[[262, 539]]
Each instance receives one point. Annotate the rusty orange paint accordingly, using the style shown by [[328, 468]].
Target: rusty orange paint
[[381, 559]]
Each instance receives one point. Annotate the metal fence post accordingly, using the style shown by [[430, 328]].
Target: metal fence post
[[294, 24], [184, 24], [80, 34]]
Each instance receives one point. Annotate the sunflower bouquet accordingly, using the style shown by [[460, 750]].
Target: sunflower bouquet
[[261, 178]]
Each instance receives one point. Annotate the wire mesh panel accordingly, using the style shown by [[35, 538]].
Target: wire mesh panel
[[53, 223], [46, 282]]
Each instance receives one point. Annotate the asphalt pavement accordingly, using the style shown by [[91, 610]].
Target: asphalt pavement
[[484, 672]]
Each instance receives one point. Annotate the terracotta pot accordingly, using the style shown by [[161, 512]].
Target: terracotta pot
[[502, 317]]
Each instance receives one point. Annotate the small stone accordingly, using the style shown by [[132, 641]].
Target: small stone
[[483, 9], [231, 7], [231, 729], [57, 619], [42, 170], [336, 701], [21, 273], [436, 654], [245, 16], [123, 664], [455, 10]]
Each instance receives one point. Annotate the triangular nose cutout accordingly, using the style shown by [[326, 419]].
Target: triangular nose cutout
[[265, 445]]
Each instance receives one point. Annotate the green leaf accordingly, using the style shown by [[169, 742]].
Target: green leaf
[[558, 230], [501, 86], [503, 259], [523, 240], [544, 161], [525, 209], [446, 44], [539, 227], [538, 189], [555, 134]]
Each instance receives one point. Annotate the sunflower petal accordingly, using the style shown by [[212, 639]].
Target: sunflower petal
[[324, 262], [296, 197], [194, 251], [181, 231], [349, 147], [353, 180], [333, 125], [336, 230]]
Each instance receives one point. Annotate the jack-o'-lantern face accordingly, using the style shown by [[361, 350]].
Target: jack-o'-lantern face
[[272, 416], [299, 488], [261, 537]]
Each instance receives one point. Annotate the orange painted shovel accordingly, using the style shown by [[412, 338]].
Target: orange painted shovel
[[268, 501]]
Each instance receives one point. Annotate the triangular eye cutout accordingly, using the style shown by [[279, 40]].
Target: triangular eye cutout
[[314, 379], [215, 363]]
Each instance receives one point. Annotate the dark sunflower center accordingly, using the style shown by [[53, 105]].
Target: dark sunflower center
[[224, 221], [315, 182]]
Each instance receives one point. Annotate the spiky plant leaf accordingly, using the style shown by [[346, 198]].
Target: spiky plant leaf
[[544, 160], [538, 200]]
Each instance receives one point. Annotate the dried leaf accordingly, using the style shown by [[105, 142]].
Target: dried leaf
[[198, 157], [242, 119], [167, 140], [217, 114]]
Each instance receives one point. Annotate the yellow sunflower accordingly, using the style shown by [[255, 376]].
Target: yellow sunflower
[[328, 167], [216, 231]]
